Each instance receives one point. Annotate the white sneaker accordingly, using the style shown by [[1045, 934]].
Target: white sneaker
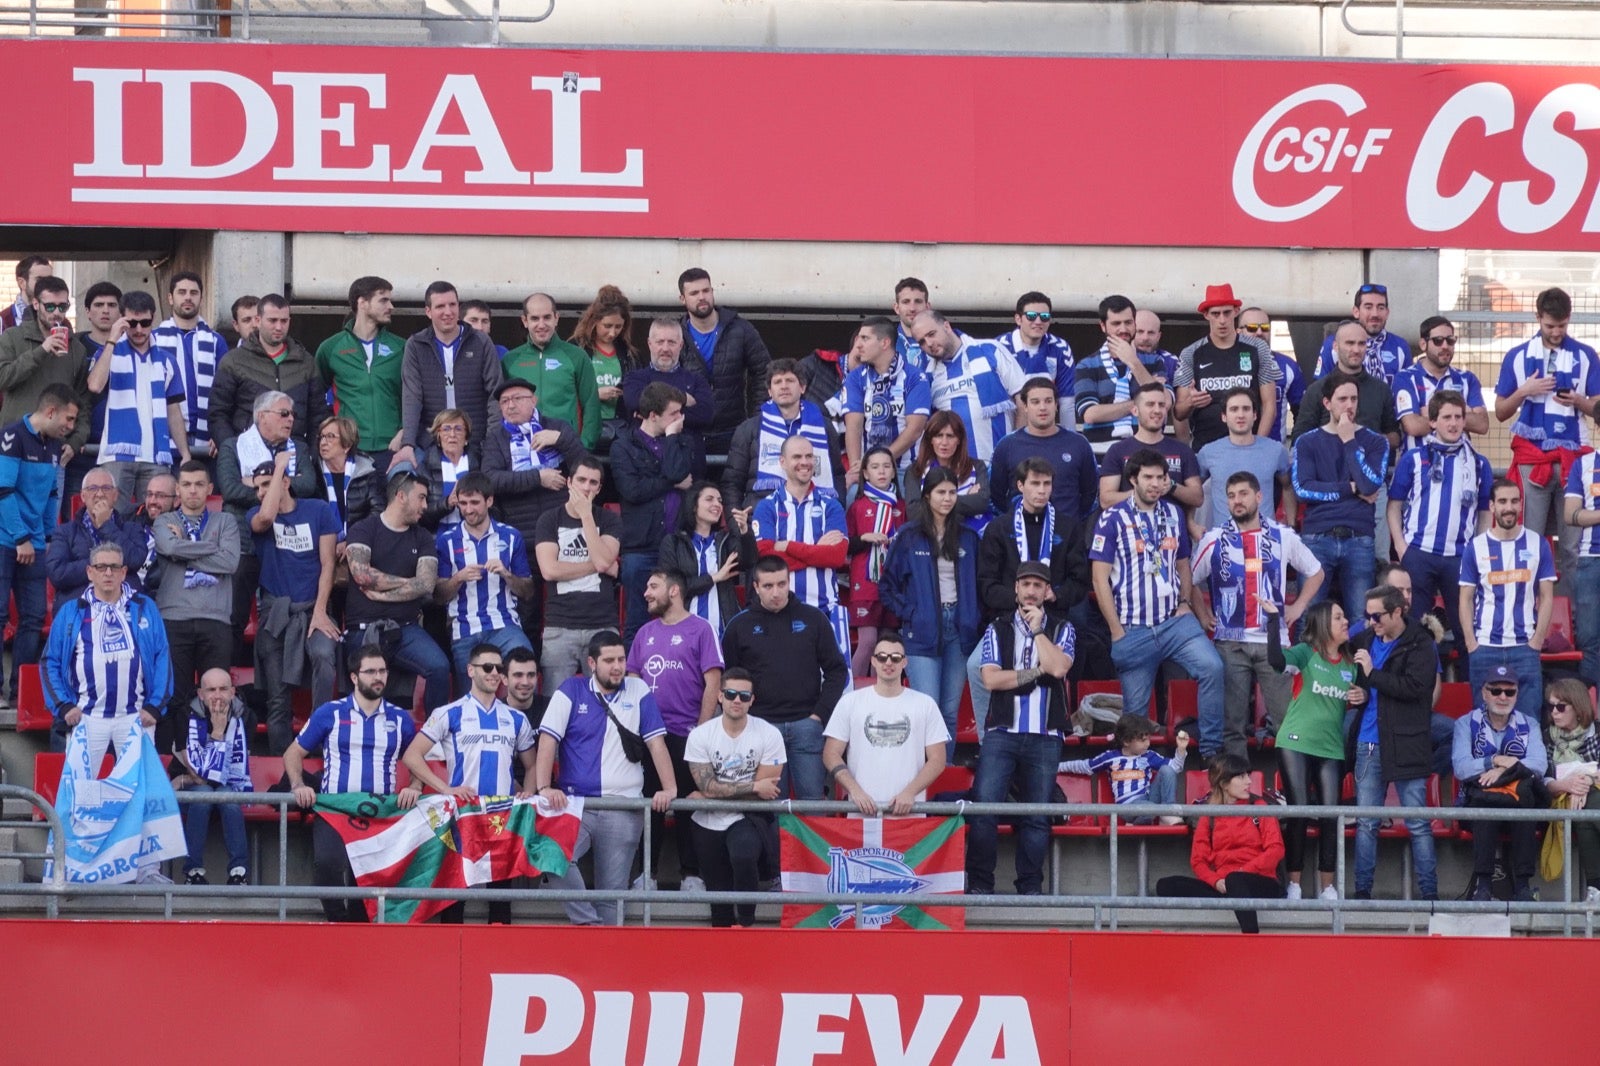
[[1173, 819], [1592, 898], [692, 884], [1329, 893], [639, 884], [1292, 891]]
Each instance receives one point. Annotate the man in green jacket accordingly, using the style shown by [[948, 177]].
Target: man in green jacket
[[561, 373], [42, 350], [362, 362]]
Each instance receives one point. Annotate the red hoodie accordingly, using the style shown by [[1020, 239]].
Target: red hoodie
[[1224, 846]]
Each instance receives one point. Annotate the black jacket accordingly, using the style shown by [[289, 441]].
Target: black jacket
[[998, 560], [520, 495], [247, 371], [738, 373], [677, 554], [422, 386], [744, 457], [795, 655], [363, 491], [1404, 685], [644, 482]]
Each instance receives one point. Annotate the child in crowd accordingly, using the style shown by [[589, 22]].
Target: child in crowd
[[1138, 775], [872, 521]]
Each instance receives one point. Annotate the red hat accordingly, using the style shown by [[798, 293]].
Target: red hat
[[1219, 296]]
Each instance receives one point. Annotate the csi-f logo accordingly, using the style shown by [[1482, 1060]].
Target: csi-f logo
[[1277, 144]]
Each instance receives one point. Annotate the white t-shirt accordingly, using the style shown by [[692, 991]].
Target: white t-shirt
[[733, 760], [887, 738]]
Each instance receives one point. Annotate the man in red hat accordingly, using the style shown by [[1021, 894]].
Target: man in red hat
[[1219, 362]]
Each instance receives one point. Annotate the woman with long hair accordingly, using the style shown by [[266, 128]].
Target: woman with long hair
[[713, 558], [944, 446], [1310, 741], [1573, 748], [872, 520], [605, 331], [930, 580], [1233, 858]]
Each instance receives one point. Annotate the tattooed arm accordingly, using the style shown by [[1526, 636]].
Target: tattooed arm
[[765, 785], [387, 588]]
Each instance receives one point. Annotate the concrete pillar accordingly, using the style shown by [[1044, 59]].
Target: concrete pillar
[[242, 264], [1412, 276]]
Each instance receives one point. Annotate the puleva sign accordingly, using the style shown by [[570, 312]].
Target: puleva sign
[[788, 146]]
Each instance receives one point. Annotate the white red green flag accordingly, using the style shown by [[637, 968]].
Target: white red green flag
[[910, 856], [441, 843]]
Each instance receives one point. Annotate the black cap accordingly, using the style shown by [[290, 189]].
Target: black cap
[[264, 468], [515, 383], [1038, 570]]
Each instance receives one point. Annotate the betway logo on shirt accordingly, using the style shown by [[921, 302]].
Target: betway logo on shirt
[[1331, 691]]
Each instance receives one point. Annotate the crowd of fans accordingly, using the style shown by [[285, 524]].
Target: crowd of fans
[[534, 536]]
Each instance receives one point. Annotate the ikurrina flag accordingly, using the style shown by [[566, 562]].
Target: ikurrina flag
[[881, 856], [441, 843]]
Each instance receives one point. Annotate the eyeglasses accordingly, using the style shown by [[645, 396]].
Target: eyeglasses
[[453, 428], [1370, 289], [1500, 690], [136, 323], [888, 657], [738, 695], [161, 495], [56, 308], [1376, 616], [285, 414], [1443, 342], [1036, 316], [490, 668], [98, 488], [333, 437], [107, 568], [1265, 327]]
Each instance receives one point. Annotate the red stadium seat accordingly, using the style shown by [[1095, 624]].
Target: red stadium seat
[[1103, 795], [1561, 620], [1078, 789], [1456, 698], [951, 779], [31, 711], [966, 720], [47, 768]]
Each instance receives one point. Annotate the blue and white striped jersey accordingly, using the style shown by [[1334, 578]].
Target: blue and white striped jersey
[[1414, 387], [1143, 548], [1544, 420], [780, 516], [360, 752], [977, 384], [480, 744], [1032, 708], [1583, 484], [1052, 359], [1506, 574], [107, 666], [488, 603], [1130, 775], [1444, 491]]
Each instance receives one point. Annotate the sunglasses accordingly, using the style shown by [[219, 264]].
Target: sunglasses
[[1500, 690], [1443, 342], [1036, 316], [1557, 705], [140, 323], [490, 668], [57, 308], [888, 657], [738, 695], [1376, 616], [1369, 288], [1263, 328]]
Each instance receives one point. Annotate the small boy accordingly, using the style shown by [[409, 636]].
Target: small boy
[[1138, 775]]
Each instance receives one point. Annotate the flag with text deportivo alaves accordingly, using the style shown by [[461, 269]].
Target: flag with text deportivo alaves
[[881, 856], [442, 843]]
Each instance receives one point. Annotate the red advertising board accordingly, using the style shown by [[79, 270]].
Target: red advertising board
[[244, 993], [789, 146]]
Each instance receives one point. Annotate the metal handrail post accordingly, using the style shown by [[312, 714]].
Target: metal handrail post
[[1566, 874], [649, 876], [494, 23], [1116, 869], [1338, 875], [247, 19], [283, 859]]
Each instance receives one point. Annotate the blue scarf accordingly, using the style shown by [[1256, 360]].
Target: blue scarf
[[883, 521], [1514, 742], [1373, 360], [707, 605], [226, 762], [1047, 535], [1231, 581], [885, 395], [523, 456], [993, 399], [775, 429], [333, 493], [1466, 459], [192, 578]]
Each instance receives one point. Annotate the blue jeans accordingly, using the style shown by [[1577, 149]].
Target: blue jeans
[[505, 639], [1521, 658], [1586, 617], [1413, 792], [802, 744], [633, 574], [1142, 650], [414, 651], [27, 582], [1029, 759], [941, 676], [980, 695], [197, 824], [1348, 565], [1434, 575]]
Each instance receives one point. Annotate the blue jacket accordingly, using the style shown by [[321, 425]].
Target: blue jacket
[[66, 561], [910, 588], [58, 672], [28, 498]]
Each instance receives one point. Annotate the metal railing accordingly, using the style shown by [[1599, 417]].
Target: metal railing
[[1105, 907], [1401, 32], [215, 20], [56, 856]]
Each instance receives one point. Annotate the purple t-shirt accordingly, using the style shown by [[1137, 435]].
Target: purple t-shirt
[[673, 661]]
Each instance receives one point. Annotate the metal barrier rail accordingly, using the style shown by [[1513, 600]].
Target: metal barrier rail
[[101, 16], [1400, 32], [56, 856], [1104, 907]]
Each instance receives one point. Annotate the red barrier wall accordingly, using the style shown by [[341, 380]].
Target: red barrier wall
[[596, 143], [268, 993]]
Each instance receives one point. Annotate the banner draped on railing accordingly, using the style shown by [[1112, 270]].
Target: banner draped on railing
[[887, 855]]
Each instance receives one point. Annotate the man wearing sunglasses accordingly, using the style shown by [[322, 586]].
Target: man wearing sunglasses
[[1291, 384], [1507, 581], [43, 350], [1435, 372], [482, 740], [1384, 354], [733, 756], [30, 270], [885, 744], [1039, 352], [1494, 746], [144, 432]]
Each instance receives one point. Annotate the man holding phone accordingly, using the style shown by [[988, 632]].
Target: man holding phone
[[1549, 384]]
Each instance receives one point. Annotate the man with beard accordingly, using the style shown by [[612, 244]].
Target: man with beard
[[729, 349], [196, 350], [1508, 590]]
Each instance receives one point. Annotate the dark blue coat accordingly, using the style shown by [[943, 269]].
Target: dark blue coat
[[910, 588]]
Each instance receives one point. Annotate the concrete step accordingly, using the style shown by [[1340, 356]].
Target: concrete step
[[11, 871]]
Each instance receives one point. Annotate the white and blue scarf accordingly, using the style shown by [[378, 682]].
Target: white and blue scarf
[[1465, 458], [1019, 530], [254, 450], [1513, 742], [136, 428], [524, 457], [192, 578], [1232, 583], [226, 762], [775, 429], [109, 625], [884, 406]]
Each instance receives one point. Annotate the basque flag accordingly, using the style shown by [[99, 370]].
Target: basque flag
[[910, 856]]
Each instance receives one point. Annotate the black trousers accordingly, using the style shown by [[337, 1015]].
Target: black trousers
[[1240, 886], [499, 910], [246, 579], [196, 645], [1309, 779], [730, 861], [330, 867], [680, 823], [1486, 848]]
